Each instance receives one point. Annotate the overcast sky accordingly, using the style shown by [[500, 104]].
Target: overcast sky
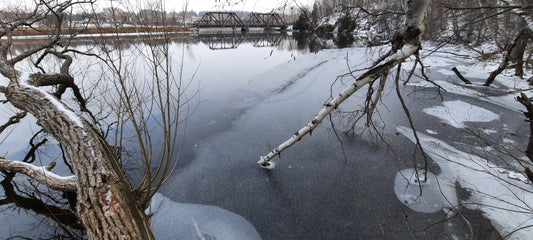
[[246, 5], [178, 5]]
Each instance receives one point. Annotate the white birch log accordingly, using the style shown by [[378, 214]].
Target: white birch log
[[413, 33], [41, 175]]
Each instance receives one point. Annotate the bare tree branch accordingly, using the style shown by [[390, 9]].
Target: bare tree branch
[[30, 156], [460, 76], [40, 174], [13, 120]]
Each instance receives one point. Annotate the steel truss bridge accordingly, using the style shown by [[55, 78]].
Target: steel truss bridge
[[232, 20], [232, 41]]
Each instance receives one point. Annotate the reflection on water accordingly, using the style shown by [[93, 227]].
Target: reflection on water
[[231, 41], [305, 41], [55, 212]]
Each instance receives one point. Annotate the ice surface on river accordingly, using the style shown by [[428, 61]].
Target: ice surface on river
[[173, 220], [501, 194], [457, 113]]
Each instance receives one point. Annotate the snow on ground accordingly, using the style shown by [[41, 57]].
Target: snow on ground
[[501, 194], [457, 113], [330, 20], [442, 59], [196, 221]]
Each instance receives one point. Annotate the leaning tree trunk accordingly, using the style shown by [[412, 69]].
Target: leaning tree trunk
[[106, 204]]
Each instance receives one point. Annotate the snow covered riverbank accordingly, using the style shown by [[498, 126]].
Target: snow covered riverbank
[[502, 192]]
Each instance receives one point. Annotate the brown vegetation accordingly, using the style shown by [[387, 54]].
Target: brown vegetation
[[100, 30]]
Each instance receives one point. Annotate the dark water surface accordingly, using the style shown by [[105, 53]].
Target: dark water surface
[[254, 93]]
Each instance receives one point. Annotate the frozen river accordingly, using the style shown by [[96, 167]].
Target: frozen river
[[328, 186]]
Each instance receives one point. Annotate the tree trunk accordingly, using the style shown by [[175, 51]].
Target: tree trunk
[[106, 204], [508, 55], [526, 102], [518, 52]]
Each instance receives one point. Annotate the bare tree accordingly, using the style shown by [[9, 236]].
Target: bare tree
[[107, 205], [502, 21], [142, 102]]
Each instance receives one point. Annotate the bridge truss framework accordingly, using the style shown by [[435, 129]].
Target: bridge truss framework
[[232, 20]]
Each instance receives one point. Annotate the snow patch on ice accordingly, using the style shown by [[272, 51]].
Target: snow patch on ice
[[503, 200], [449, 87], [507, 140], [420, 195], [516, 176], [507, 100], [456, 113], [432, 132], [195, 221], [485, 149], [490, 131]]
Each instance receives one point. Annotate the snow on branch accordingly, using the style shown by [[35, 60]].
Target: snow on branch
[[25, 81], [41, 175]]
